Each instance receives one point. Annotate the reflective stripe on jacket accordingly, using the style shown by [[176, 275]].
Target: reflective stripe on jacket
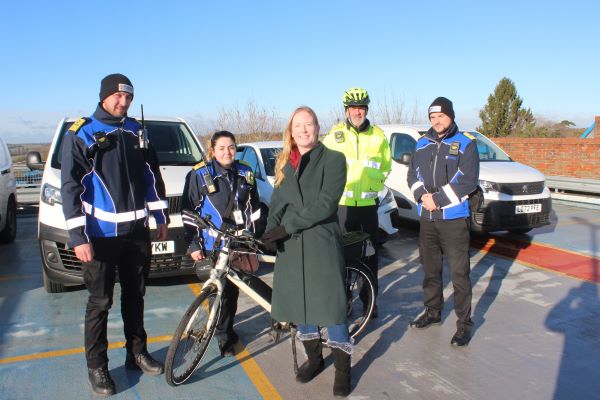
[[108, 190], [368, 161]]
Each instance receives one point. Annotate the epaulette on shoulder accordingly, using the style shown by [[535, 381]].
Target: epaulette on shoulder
[[78, 124], [245, 163], [199, 165], [468, 135]]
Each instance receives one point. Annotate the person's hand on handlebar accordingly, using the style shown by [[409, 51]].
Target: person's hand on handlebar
[[197, 255]]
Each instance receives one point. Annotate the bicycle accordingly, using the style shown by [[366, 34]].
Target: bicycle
[[195, 330]]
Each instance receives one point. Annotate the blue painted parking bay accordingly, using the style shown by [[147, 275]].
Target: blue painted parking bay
[[536, 331], [41, 338]]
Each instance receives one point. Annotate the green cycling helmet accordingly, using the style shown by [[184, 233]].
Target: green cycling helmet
[[356, 97]]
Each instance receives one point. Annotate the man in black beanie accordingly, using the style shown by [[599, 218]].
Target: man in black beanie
[[443, 171], [109, 186]]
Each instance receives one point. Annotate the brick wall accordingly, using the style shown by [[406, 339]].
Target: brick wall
[[574, 157]]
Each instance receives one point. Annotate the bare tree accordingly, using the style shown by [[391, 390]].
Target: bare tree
[[258, 123]]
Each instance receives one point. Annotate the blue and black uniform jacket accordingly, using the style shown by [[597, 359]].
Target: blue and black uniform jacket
[[198, 197], [448, 167], [108, 184]]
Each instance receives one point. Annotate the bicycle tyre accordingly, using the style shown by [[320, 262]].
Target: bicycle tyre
[[358, 310], [191, 338]]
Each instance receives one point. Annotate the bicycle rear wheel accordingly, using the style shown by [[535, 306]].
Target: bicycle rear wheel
[[360, 293], [192, 337]]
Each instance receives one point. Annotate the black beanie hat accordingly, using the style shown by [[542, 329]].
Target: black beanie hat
[[114, 83], [443, 105]]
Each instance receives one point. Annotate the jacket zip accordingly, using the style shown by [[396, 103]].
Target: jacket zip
[[124, 155], [357, 158], [435, 158]]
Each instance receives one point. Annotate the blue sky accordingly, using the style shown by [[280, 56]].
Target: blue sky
[[192, 58]]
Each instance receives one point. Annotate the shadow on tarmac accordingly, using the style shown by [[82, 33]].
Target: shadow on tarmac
[[500, 268], [403, 286], [577, 317]]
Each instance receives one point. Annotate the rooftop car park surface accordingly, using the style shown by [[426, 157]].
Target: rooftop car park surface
[[536, 309]]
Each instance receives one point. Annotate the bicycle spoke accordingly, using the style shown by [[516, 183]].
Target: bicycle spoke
[[191, 339]]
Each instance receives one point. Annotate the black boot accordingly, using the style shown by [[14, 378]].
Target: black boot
[[102, 383], [315, 364], [341, 385]]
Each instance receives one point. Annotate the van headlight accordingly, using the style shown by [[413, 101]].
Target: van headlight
[[51, 195], [488, 186]]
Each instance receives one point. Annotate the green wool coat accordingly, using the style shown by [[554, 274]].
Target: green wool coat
[[308, 283]]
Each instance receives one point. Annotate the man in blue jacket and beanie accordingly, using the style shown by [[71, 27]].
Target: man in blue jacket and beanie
[[443, 171], [111, 183]]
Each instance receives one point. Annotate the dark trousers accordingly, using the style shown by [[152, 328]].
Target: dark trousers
[[224, 332], [130, 256], [363, 219], [449, 239]]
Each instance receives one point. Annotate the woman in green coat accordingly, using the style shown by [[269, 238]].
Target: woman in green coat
[[308, 283]]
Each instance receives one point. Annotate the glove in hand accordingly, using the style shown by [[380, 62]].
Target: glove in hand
[[271, 237]]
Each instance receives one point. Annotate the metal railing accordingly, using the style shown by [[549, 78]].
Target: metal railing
[[28, 184], [568, 184], [585, 192]]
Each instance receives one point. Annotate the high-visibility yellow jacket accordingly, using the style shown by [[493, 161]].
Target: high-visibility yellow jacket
[[368, 161]]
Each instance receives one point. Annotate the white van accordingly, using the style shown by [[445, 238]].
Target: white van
[[178, 150], [8, 196], [515, 196]]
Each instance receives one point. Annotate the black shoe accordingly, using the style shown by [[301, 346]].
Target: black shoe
[[462, 337], [102, 383], [227, 346], [144, 362], [425, 320], [228, 351]]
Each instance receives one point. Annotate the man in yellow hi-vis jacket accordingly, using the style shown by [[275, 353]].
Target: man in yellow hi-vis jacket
[[368, 162]]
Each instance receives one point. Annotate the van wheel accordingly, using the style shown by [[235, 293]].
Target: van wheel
[[520, 231], [9, 233], [51, 286]]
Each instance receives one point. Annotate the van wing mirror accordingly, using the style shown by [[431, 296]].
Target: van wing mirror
[[34, 160], [405, 159]]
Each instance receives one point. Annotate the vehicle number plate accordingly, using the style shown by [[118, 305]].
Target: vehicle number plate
[[528, 208], [163, 247]]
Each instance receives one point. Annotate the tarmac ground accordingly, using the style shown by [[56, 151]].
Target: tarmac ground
[[536, 310]]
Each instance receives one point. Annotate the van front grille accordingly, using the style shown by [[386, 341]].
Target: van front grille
[[522, 188], [67, 256], [158, 262], [174, 204]]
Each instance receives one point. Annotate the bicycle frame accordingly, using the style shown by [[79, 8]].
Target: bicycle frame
[[222, 269], [199, 321]]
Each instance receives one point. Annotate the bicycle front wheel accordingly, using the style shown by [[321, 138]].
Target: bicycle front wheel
[[192, 337], [360, 294]]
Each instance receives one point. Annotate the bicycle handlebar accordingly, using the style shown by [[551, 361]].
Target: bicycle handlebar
[[206, 223]]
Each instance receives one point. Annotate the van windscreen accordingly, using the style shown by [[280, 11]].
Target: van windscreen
[[172, 140]]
